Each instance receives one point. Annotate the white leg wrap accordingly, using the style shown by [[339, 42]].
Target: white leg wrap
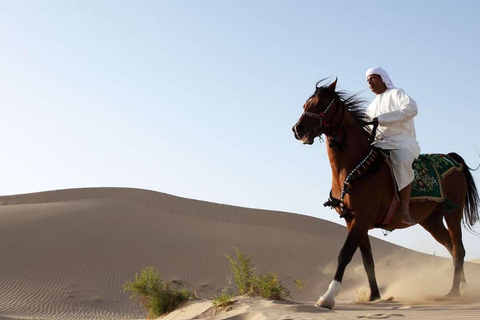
[[328, 299]]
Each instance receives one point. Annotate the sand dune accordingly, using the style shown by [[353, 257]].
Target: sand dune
[[66, 254]]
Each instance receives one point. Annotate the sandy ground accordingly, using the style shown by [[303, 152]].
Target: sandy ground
[[66, 254], [256, 309]]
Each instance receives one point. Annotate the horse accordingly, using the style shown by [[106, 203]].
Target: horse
[[363, 187]]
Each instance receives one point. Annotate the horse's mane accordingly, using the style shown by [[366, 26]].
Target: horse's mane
[[353, 103]]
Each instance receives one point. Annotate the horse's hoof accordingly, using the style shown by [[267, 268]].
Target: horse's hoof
[[325, 302], [375, 298], [453, 294]]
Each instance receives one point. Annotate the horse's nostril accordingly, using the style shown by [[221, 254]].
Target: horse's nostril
[[298, 128]]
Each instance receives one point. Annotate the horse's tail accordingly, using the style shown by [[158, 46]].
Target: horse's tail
[[472, 201]]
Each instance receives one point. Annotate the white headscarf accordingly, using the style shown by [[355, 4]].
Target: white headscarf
[[383, 74]]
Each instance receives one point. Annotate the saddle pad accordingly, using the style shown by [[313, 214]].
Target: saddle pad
[[430, 170]]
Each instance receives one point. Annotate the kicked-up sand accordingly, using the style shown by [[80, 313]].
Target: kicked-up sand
[[66, 254]]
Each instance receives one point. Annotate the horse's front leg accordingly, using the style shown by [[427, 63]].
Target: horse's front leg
[[369, 264], [344, 258]]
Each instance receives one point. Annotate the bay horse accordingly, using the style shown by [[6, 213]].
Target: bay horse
[[364, 199]]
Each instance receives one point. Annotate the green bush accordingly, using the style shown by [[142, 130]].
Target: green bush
[[155, 295], [243, 271], [249, 282], [224, 300], [270, 288]]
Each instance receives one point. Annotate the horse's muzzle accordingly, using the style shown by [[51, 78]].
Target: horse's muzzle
[[300, 133]]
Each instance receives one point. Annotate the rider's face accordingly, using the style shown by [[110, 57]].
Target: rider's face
[[376, 84]]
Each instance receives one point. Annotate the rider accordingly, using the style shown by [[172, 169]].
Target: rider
[[394, 111]]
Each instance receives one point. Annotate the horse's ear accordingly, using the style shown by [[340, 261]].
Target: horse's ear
[[333, 85]]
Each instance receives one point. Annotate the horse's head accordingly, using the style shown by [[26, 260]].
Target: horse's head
[[317, 114]]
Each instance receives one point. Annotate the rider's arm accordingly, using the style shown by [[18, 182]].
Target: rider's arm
[[405, 109]]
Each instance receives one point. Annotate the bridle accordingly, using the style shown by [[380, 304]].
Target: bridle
[[320, 116], [339, 143], [319, 129]]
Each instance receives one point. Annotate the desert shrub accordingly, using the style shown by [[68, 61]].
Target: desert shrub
[[243, 269], [224, 300], [155, 295], [269, 287], [264, 285]]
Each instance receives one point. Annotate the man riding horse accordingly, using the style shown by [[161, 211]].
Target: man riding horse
[[364, 192], [394, 111]]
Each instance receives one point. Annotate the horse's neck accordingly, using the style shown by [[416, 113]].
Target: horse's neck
[[345, 160]]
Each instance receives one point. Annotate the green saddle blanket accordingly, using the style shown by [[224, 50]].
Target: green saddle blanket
[[430, 170]]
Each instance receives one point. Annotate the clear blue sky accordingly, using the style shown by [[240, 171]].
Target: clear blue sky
[[197, 98]]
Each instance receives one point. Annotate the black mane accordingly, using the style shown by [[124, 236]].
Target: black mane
[[353, 103]]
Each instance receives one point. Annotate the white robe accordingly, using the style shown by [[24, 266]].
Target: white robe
[[395, 111]]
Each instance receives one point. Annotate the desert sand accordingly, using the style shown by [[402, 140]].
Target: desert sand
[[65, 254]]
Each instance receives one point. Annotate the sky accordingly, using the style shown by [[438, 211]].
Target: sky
[[197, 98]]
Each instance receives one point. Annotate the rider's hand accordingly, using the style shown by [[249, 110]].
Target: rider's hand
[[375, 121]]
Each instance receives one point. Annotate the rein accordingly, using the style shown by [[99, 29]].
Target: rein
[[361, 170]]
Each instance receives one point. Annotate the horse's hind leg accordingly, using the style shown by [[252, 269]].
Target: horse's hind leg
[[453, 220], [455, 190], [434, 224]]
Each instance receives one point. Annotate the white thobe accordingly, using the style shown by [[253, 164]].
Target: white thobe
[[395, 111]]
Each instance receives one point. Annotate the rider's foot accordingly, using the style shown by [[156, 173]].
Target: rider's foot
[[409, 221]]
